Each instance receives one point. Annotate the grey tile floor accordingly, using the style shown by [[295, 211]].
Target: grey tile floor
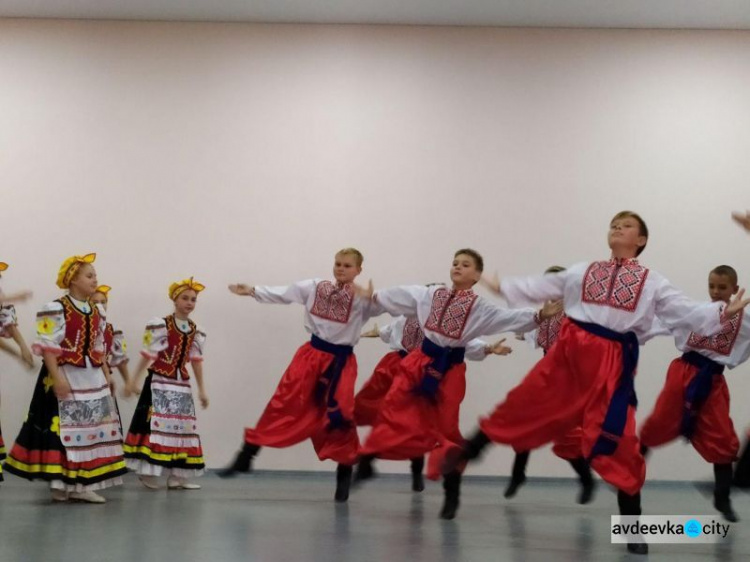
[[288, 517]]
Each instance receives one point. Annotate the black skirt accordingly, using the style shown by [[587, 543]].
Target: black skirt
[[39, 454]]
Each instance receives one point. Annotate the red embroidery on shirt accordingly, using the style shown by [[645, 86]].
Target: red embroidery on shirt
[[333, 302], [721, 343], [614, 283], [413, 335], [548, 331], [449, 312]]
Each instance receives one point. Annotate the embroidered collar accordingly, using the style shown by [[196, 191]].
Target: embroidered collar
[[460, 292], [623, 261]]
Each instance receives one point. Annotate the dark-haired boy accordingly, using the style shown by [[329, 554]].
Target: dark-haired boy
[[420, 413], [694, 402], [587, 377]]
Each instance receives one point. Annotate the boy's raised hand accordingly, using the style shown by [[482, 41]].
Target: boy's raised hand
[[242, 289], [736, 304], [364, 292], [491, 282], [551, 308], [743, 219]]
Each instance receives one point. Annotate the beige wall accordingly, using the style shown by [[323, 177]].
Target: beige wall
[[245, 152]]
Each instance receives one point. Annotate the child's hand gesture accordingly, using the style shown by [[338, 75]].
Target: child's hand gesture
[[18, 297], [27, 358], [204, 399], [61, 388], [743, 219], [498, 348], [130, 389], [551, 308], [373, 333], [364, 292], [242, 290], [736, 304], [491, 282], [23, 296]]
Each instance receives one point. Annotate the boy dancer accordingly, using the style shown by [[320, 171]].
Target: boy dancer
[[568, 448], [315, 397], [421, 410], [403, 336], [694, 402], [587, 377]]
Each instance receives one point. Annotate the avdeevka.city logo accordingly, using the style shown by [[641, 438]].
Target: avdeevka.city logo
[[693, 528], [668, 529]]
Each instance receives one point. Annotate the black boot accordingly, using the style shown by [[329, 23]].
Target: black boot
[[723, 476], [742, 469], [417, 481], [470, 450], [243, 462], [638, 547], [474, 446], [518, 475], [343, 481], [364, 469], [452, 487], [583, 470], [631, 505]]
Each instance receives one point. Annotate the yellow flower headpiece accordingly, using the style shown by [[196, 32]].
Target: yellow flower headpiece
[[104, 290], [3, 266], [70, 267], [175, 289]]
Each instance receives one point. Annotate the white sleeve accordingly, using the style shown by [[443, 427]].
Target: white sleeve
[[476, 350], [296, 293], [526, 291], [372, 309], [385, 332], [50, 329], [8, 319], [657, 329], [99, 346], [155, 338], [401, 301], [199, 342], [496, 320], [675, 310], [531, 338], [118, 354]]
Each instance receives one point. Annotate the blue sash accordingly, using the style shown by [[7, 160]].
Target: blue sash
[[325, 390], [623, 396], [698, 389], [443, 358]]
